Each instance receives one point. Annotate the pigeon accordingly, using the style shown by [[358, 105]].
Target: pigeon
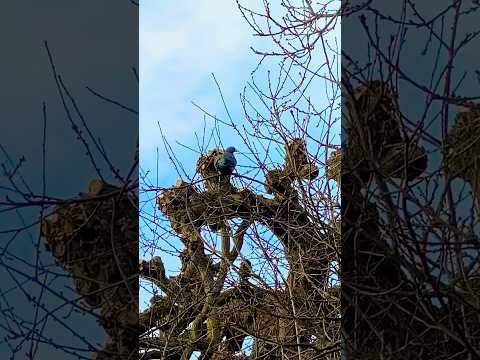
[[226, 162]]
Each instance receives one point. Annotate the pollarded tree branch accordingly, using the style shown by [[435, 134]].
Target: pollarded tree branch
[[264, 314]]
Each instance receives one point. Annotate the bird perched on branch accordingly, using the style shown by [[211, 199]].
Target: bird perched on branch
[[226, 162], [245, 271]]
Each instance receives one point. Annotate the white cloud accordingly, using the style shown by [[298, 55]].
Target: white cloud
[[181, 44]]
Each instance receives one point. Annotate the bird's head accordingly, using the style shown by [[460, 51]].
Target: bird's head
[[230, 149]]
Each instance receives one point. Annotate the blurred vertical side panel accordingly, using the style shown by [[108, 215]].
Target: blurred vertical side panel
[[410, 180], [69, 179]]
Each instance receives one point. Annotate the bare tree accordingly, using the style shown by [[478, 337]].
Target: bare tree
[[260, 245], [77, 267], [410, 244]]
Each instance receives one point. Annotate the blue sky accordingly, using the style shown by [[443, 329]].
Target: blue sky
[[181, 45]]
